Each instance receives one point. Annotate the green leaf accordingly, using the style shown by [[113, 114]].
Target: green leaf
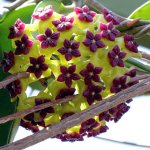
[[9, 129], [142, 12]]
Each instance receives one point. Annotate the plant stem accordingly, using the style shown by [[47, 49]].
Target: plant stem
[[12, 78], [34, 109], [145, 55], [77, 118], [18, 3], [137, 27], [53, 103], [138, 64]]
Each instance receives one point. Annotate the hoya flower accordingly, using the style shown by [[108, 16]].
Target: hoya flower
[[64, 116], [93, 41], [88, 125], [68, 74], [131, 73], [91, 73], [116, 57], [38, 66], [65, 92], [17, 29], [130, 43], [71, 137], [44, 112], [43, 13], [64, 23], [8, 61], [110, 17], [49, 39], [84, 14], [70, 49], [29, 126], [14, 88], [23, 46], [107, 31], [118, 84], [92, 93]]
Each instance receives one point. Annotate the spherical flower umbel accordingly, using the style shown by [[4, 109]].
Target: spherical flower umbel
[[107, 31], [70, 49], [49, 39], [17, 29], [23, 46], [110, 17], [43, 13], [130, 43], [92, 93], [64, 23], [93, 41], [116, 57], [8, 61], [68, 74], [38, 66], [84, 14], [91, 73], [14, 88], [118, 84]]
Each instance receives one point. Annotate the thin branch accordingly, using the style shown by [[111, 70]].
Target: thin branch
[[77, 118], [52, 103], [144, 31], [99, 7], [140, 77], [136, 26], [15, 4], [12, 78], [34, 109], [18, 3], [145, 55]]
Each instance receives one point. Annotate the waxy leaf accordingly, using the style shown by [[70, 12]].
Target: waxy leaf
[[143, 12]]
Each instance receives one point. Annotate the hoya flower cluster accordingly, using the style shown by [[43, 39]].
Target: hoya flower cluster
[[80, 54]]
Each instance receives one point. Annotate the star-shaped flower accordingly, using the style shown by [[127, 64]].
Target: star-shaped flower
[[44, 112], [17, 29], [107, 31], [65, 92], [70, 49], [92, 93], [68, 74], [8, 61], [84, 14], [23, 46], [49, 39], [43, 13], [118, 84], [38, 66], [130, 43], [93, 41], [116, 56], [64, 23], [91, 73], [14, 88], [110, 17], [88, 125]]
